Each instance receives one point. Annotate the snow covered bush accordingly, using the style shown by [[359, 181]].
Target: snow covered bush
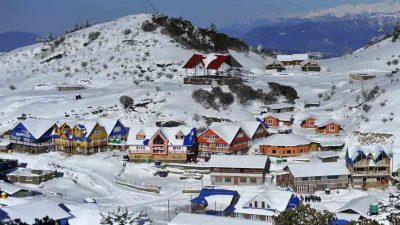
[[93, 35], [205, 98], [12, 87], [304, 214], [126, 101], [148, 26], [366, 107], [122, 216], [127, 31]]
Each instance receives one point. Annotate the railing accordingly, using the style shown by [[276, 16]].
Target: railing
[[44, 144]]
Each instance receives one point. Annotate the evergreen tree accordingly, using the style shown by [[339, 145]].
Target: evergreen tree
[[303, 214]]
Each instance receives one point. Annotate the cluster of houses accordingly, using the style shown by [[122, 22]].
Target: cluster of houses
[[300, 60]]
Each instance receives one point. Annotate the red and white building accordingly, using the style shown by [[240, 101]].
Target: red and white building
[[278, 119], [328, 127], [212, 65]]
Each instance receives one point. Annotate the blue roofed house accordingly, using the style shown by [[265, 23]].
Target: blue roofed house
[[117, 132], [172, 144], [32, 136], [218, 202]]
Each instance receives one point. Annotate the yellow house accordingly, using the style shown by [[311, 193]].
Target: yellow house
[[80, 137]]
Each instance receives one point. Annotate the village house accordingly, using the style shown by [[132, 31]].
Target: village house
[[218, 202], [292, 60], [357, 208], [309, 122], [223, 139], [284, 145], [16, 191], [310, 65], [369, 165], [278, 119], [264, 205], [30, 176], [173, 144], [200, 219], [32, 136], [312, 177], [254, 129], [275, 65], [328, 144], [328, 156], [327, 127], [8, 164], [79, 137], [117, 132], [238, 169], [212, 65], [277, 108]]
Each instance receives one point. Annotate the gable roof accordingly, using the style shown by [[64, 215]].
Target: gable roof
[[359, 205], [238, 161], [375, 150], [293, 57], [194, 61], [250, 127], [309, 62], [227, 132], [275, 63], [37, 127], [220, 59], [28, 212], [108, 124], [88, 126], [322, 123], [286, 116], [198, 219], [318, 169], [168, 132], [285, 140]]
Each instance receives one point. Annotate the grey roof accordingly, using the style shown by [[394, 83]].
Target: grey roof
[[285, 140], [319, 169], [359, 205]]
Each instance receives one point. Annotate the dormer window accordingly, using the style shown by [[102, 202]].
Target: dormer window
[[179, 136], [140, 136]]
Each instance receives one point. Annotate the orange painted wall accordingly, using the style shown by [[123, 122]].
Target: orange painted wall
[[273, 123], [306, 123], [282, 151], [326, 130]]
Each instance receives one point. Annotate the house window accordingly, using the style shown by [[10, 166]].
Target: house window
[[333, 177], [270, 121], [317, 178], [311, 123], [253, 180], [274, 151], [255, 204], [288, 151], [228, 180], [240, 135], [239, 215], [218, 179], [331, 128], [304, 178], [97, 131], [263, 205], [117, 129], [243, 180]]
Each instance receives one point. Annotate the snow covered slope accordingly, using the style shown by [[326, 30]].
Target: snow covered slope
[[144, 65]]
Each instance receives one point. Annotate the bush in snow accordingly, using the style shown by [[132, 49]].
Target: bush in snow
[[126, 101], [12, 87], [384, 120], [127, 31], [287, 91], [122, 216], [147, 26], [93, 35], [366, 107], [364, 222], [84, 64], [303, 214], [395, 61], [205, 98]]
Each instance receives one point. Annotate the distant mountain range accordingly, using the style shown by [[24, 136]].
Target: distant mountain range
[[14, 39], [328, 31]]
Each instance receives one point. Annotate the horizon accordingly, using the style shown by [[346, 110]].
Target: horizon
[[26, 16]]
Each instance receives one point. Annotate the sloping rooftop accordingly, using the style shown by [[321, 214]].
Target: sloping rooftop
[[37, 127], [238, 161], [108, 124], [28, 212], [375, 150], [294, 57], [319, 169], [285, 140], [197, 219], [359, 205], [226, 131], [286, 116], [168, 132]]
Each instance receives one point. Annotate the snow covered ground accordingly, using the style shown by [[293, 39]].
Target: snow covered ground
[[147, 66]]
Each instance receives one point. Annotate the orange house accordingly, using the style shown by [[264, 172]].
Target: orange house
[[309, 122], [223, 139], [276, 120], [284, 145], [328, 127]]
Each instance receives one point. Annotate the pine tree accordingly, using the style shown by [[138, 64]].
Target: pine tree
[[303, 214]]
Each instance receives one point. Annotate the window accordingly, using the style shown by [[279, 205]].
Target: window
[[253, 180], [255, 204], [333, 177], [117, 129], [274, 151], [97, 131], [218, 179], [304, 178], [331, 128], [239, 215], [288, 152], [243, 180], [263, 205], [228, 180], [317, 178], [311, 122], [240, 135], [270, 121]]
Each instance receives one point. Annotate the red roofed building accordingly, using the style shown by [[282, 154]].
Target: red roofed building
[[196, 63], [222, 63]]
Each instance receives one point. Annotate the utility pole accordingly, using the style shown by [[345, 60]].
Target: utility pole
[[168, 211]]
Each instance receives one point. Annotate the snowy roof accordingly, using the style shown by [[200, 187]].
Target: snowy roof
[[275, 63], [9, 188], [285, 140], [168, 132], [274, 199], [219, 202], [375, 150], [280, 106], [286, 116], [328, 154], [359, 205], [318, 169], [225, 131], [26, 172], [28, 212], [309, 116], [249, 126], [108, 124], [294, 57], [322, 123], [37, 127], [238, 161], [198, 219], [4, 142], [309, 61]]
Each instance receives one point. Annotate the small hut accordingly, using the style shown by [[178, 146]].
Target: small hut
[[275, 65], [310, 65]]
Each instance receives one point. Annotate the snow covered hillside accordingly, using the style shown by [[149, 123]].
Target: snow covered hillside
[[122, 60]]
